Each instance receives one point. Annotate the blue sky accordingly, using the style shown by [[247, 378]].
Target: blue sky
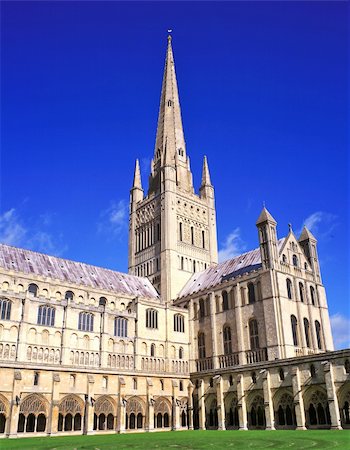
[[264, 94]]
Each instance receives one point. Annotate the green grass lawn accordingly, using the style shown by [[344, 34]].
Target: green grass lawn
[[215, 440]]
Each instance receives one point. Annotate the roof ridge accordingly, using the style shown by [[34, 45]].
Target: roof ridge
[[58, 258]]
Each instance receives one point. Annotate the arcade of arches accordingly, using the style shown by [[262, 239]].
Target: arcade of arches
[[272, 398]]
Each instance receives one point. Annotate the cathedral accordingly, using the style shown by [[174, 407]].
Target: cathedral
[[181, 341]]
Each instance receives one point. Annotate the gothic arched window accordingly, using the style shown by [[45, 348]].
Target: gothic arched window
[[179, 323], [120, 327], [294, 323], [86, 321], [301, 291], [318, 334], [181, 353], [201, 345], [151, 318], [227, 340], [69, 295], [153, 350], [201, 309], [225, 304], [254, 334], [313, 295], [307, 332], [33, 289], [295, 261], [289, 288], [46, 315], [251, 293], [5, 309]]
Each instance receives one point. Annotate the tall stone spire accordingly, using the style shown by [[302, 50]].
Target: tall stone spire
[[170, 147], [205, 173], [170, 135], [137, 176]]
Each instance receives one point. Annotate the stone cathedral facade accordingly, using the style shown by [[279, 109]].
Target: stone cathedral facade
[[182, 341]]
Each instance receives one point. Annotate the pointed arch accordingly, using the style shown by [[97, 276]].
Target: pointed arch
[[231, 411], [104, 413], [162, 412], [71, 411]]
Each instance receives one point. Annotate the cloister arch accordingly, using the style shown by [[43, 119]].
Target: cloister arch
[[33, 414], [4, 413], [231, 411], [344, 405], [211, 413], [104, 413], [284, 410], [135, 413], [256, 412], [162, 413], [71, 411], [183, 412], [317, 408]]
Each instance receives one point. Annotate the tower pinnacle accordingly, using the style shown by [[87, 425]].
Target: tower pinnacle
[[205, 173], [137, 176]]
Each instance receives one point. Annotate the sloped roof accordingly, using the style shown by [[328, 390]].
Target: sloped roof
[[265, 216], [67, 271], [306, 234], [245, 263]]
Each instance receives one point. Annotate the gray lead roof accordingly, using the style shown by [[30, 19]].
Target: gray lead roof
[[67, 271], [245, 263]]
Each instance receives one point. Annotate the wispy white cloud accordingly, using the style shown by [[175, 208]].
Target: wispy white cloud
[[14, 230], [341, 331], [232, 246], [114, 219], [321, 224]]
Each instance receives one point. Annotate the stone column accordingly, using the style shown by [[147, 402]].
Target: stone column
[[298, 399], [175, 407], [201, 405], [213, 330], [242, 406], [150, 406], [121, 406], [220, 402], [52, 423], [190, 406], [89, 408], [332, 397], [239, 325], [191, 320], [268, 403], [15, 404]]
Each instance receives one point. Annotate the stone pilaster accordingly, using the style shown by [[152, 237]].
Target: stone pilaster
[[239, 324], [332, 397], [52, 424], [89, 407], [150, 406], [268, 403], [298, 399], [175, 406], [121, 406], [201, 405], [242, 406], [15, 404], [190, 406], [220, 402], [213, 330]]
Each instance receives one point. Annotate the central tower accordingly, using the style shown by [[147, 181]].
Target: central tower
[[172, 230]]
